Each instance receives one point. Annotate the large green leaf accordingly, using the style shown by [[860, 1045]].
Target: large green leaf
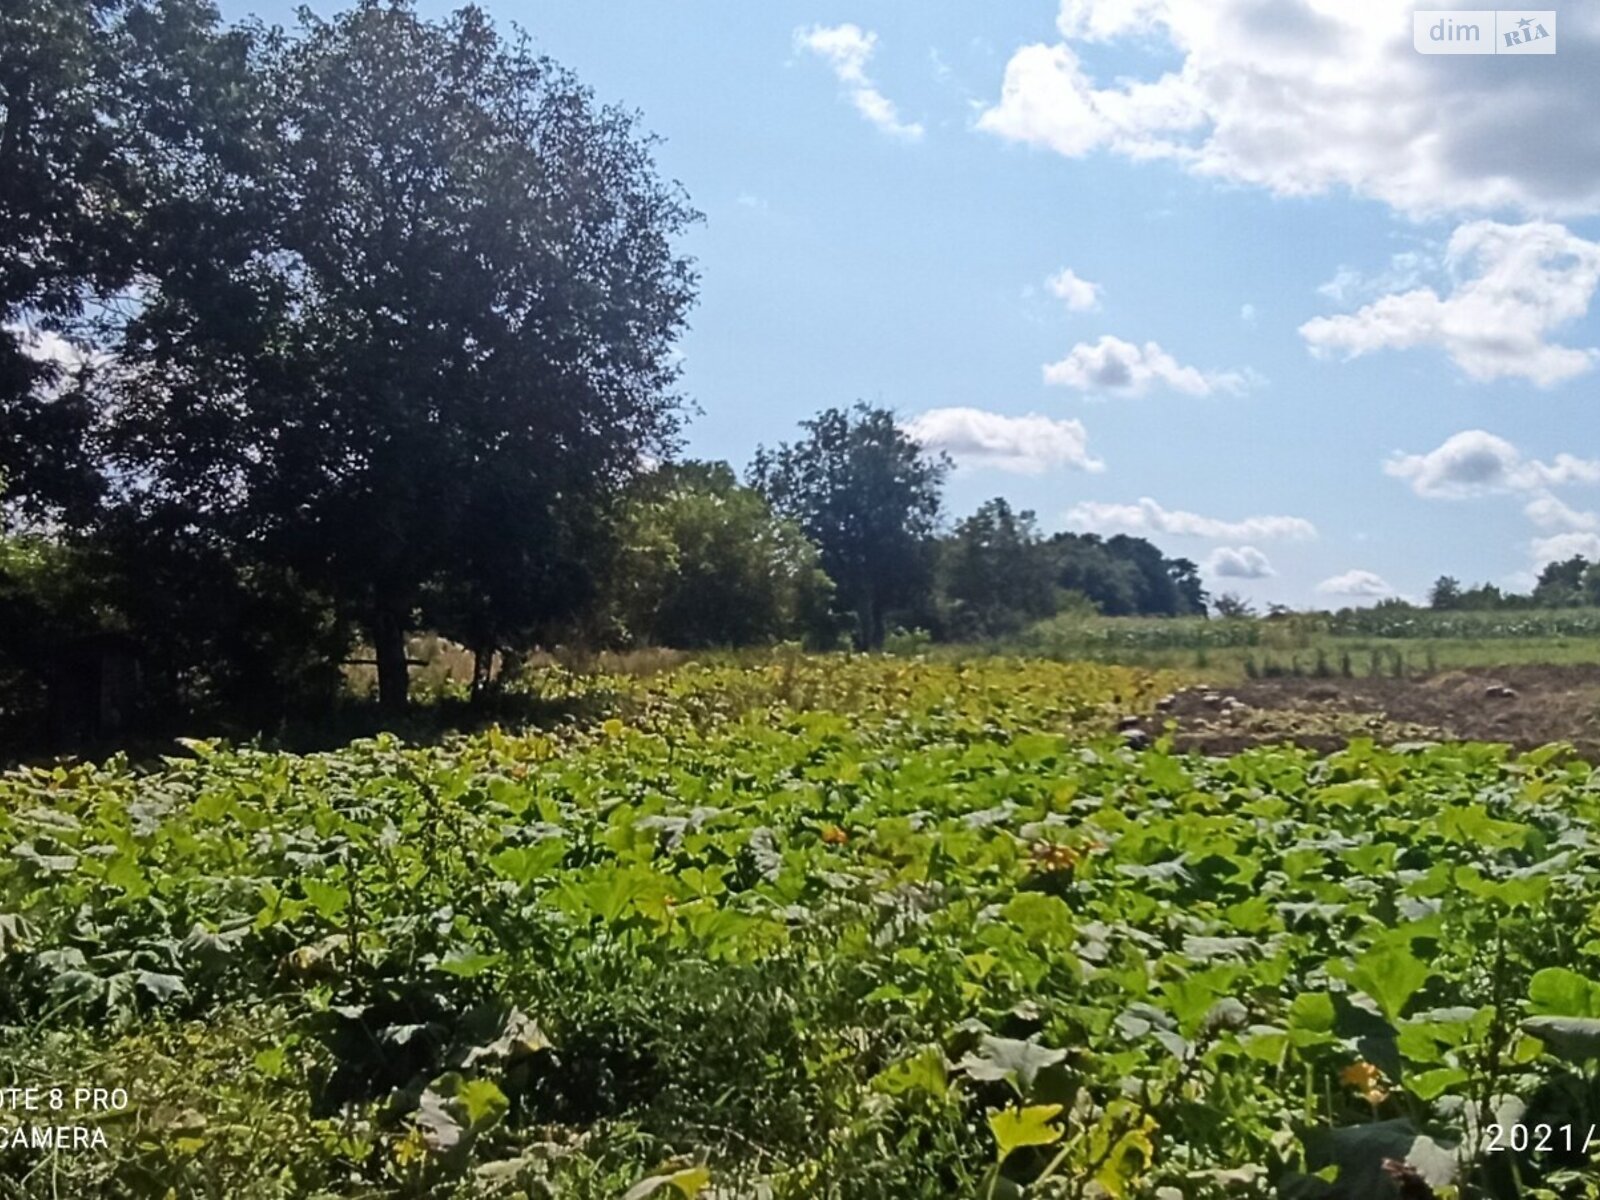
[[1556, 991], [1576, 1039], [923, 1071], [524, 864], [1016, 1062], [482, 1102], [1391, 975], [688, 1182], [1014, 1128]]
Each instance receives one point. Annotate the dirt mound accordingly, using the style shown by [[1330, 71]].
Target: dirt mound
[[1526, 706]]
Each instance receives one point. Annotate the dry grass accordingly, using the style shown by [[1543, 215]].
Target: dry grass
[[441, 667]]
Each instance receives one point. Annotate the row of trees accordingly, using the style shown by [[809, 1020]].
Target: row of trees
[[1569, 583], [997, 573], [839, 534], [317, 338], [837, 538], [834, 539]]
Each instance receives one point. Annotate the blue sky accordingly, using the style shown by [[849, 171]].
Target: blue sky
[[1348, 289]]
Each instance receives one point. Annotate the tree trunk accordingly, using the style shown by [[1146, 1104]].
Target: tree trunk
[[482, 669], [389, 648], [868, 623]]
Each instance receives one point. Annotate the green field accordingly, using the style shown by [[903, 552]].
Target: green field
[[1357, 643], [845, 927]]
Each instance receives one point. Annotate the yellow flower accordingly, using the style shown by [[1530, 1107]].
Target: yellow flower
[[412, 1148], [1050, 857], [834, 836], [1367, 1080]]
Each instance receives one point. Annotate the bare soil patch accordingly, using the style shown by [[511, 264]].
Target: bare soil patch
[[1525, 706]]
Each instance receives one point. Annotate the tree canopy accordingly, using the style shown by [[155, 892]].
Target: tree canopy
[[1571, 582], [996, 572], [704, 561], [869, 497], [407, 329], [1126, 576], [98, 100]]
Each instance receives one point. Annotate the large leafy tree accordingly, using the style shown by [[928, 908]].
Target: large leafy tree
[[1165, 587], [869, 497], [413, 330], [703, 561], [1084, 564], [1124, 576], [1192, 597], [1560, 584], [996, 571], [94, 96], [108, 111], [1445, 593], [64, 185]]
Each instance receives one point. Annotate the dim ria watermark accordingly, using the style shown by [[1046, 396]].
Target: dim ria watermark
[[1484, 31]]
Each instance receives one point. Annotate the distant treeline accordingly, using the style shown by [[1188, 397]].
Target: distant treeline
[[314, 339], [835, 541], [1569, 583]]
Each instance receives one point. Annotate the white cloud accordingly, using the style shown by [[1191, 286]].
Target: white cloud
[[1561, 546], [1547, 512], [1113, 365], [48, 346], [1048, 100], [1026, 445], [1516, 285], [1247, 314], [1405, 271], [70, 360], [1147, 517], [1355, 583], [1304, 97], [1239, 562], [847, 49], [1345, 282], [1079, 294], [1476, 463]]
